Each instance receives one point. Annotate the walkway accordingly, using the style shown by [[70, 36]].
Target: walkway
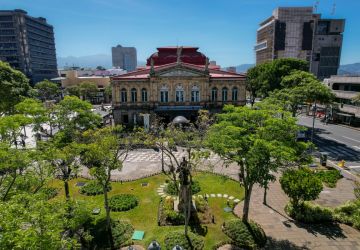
[[284, 233]]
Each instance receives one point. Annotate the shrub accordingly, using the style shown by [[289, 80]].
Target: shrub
[[121, 231], [201, 204], [329, 177], [349, 213], [49, 192], [178, 238], [167, 214], [309, 213], [171, 188], [247, 235], [300, 185], [93, 188], [122, 202]]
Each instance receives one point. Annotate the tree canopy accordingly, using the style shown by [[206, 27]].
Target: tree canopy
[[47, 89], [258, 141], [268, 76], [14, 86]]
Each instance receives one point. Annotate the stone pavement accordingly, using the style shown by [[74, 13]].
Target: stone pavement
[[285, 233], [146, 162]]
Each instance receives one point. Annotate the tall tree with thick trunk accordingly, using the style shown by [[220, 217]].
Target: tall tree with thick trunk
[[258, 141]]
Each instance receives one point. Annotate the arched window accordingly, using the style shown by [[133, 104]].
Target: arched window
[[234, 94], [214, 94], [144, 96], [224, 94], [179, 94], [164, 94], [133, 95], [123, 95], [195, 94]]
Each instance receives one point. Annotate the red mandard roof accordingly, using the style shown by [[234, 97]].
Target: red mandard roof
[[166, 55], [144, 74]]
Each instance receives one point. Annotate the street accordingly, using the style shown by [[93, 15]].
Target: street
[[342, 143]]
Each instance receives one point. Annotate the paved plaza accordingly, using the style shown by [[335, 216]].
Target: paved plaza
[[285, 233]]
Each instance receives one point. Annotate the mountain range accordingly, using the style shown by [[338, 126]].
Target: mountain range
[[92, 61]]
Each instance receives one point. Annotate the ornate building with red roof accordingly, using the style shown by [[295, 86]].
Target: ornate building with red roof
[[176, 81]]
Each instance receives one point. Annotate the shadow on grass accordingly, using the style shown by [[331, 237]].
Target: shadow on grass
[[196, 226], [274, 244]]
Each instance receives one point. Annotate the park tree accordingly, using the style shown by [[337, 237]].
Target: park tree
[[105, 150], [13, 163], [259, 141], [14, 86], [73, 90], [47, 90], [35, 110], [11, 128], [32, 222], [266, 77], [300, 185], [88, 89]]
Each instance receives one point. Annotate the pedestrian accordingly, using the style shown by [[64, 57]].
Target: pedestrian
[[213, 219]]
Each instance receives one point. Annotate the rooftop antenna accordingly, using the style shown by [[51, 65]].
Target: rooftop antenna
[[333, 9], [316, 5]]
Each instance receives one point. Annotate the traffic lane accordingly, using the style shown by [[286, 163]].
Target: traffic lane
[[331, 131], [336, 150]]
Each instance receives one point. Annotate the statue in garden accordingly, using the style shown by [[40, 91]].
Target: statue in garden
[[185, 187]]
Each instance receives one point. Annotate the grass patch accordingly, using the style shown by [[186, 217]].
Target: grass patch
[[144, 216]]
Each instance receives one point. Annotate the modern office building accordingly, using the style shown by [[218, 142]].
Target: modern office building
[[297, 32], [345, 88], [124, 57], [27, 44], [177, 81]]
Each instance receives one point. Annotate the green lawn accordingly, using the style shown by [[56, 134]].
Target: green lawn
[[144, 216]]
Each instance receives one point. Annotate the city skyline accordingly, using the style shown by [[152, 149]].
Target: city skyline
[[225, 31]]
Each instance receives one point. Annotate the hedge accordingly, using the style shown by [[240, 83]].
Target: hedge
[[329, 177], [246, 235], [123, 202], [93, 188], [171, 189], [309, 213], [178, 238]]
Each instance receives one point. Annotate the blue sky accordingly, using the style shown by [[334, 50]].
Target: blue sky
[[225, 30]]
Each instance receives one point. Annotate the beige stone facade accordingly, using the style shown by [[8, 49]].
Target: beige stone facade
[[174, 89]]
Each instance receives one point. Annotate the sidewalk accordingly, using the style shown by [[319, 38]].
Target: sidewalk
[[285, 233]]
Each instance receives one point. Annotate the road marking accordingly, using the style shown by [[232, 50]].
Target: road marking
[[352, 167], [333, 139], [351, 139]]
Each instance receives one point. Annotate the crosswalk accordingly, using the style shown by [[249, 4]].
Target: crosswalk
[[338, 151]]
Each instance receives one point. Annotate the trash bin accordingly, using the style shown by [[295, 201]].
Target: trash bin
[[323, 158]]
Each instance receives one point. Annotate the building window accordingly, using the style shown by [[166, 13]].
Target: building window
[[195, 94], [133, 95], [179, 94], [214, 94], [144, 96], [234, 94], [224, 94], [123, 95], [164, 94]]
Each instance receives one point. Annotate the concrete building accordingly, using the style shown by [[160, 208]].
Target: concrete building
[[345, 88], [176, 81], [124, 57], [71, 78], [297, 32], [27, 44]]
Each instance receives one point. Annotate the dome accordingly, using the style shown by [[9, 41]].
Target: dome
[[180, 120]]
